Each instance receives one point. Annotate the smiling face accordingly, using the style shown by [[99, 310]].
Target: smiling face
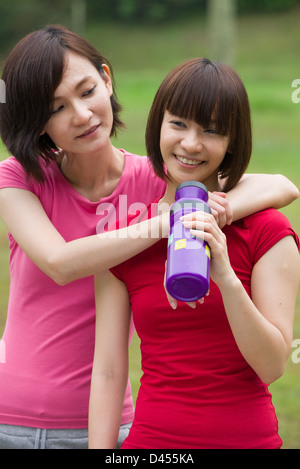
[[191, 152], [82, 117], [199, 123]]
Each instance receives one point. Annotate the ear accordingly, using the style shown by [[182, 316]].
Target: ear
[[107, 78]]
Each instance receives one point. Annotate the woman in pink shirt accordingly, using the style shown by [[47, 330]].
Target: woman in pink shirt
[[63, 185], [206, 368]]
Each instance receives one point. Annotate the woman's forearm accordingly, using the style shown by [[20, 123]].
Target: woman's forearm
[[26, 220], [110, 366], [255, 192], [86, 256], [105, 410]]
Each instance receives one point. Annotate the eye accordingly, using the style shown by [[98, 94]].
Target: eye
[[210, 131], [58, 109], [178, 123], [89, 92]]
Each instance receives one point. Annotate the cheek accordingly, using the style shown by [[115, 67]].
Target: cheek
[[56, 130], [101, 102], [226, 145], [220, 148], [166, 141]]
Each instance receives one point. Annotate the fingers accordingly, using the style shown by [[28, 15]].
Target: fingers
[[205, 227], [220, 208], [200, 221], [211, 234], [201, 301]]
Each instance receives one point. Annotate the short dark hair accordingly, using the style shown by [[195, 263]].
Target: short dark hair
[[202, 91], [32, 72]]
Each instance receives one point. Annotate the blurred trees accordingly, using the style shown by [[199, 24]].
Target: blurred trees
[[78, 15], [247, 6], [145, 10], [221, 21], [19, 17], [149, 10]]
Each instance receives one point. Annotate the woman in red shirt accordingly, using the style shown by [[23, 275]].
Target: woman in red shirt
[[206, 366]]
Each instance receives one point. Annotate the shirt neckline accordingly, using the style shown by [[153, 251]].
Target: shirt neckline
[[83, 199]]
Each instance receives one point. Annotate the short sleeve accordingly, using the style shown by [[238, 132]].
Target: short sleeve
[[13, 175], [266, 229], [117, 272]]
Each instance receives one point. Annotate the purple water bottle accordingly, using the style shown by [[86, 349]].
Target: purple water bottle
[[188, 262]]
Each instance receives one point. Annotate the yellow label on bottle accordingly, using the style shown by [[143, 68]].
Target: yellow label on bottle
[[180, 244], [207, 251]]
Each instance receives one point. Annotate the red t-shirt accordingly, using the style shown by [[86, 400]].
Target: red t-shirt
[[197, 390]]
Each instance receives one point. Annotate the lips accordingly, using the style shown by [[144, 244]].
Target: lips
[[89, 131], [188, 161]]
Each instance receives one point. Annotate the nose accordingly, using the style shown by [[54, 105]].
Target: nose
[[192, 141], [81, 113]]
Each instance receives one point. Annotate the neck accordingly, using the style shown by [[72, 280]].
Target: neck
[[169, 195], [94, 176]]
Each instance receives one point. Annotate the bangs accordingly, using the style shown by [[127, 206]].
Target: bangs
[[198, 93]]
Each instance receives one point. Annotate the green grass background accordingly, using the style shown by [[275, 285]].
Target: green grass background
[[267, 58]]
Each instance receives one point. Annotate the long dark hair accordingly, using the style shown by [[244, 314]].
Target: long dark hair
[[32, 72], [202, 91]]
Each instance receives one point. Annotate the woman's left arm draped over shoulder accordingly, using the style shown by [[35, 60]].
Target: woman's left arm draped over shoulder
[[256, 192]]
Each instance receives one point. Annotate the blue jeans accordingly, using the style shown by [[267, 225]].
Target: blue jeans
[[15, 437]]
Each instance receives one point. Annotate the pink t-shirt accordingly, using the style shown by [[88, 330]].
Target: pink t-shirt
[[49, 333], [197, 390]]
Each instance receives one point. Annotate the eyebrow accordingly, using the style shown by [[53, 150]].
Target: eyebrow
[[79, 84]]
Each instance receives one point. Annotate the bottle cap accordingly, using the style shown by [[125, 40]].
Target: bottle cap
[[192, 184]]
